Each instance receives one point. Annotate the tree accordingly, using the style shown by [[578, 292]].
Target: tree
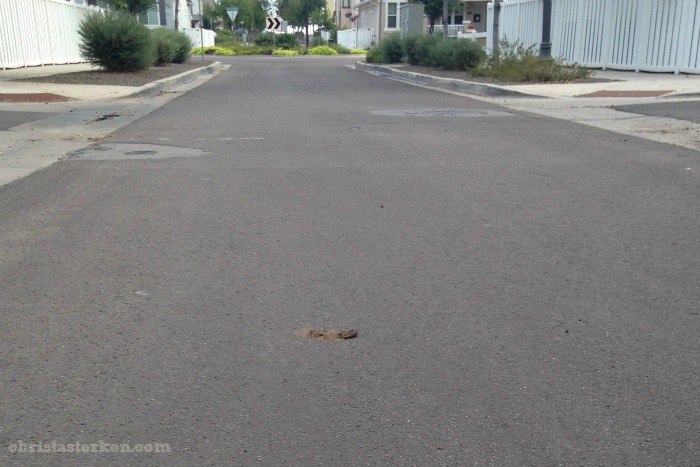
[[435, 9], [132, 6], [294, 11], [251, 13]]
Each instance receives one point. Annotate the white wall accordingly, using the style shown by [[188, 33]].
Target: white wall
[[355, 38]]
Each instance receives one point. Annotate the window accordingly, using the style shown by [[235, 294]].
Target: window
[[346, 3], [151, 17], [392, 15]]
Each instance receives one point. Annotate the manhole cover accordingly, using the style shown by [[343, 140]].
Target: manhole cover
[[441, 113], [327, 334]]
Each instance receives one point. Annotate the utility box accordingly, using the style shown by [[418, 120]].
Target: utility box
[[411, 18]]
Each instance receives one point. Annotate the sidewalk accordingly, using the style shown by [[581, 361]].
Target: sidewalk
[[609, 105], [626, 84], [87, 92], [55, 119]]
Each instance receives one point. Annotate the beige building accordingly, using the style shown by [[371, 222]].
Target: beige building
[[382, 17]]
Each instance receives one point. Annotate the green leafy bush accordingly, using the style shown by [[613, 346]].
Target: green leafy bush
[[286, 41], [183, 45], [116, 41], [374, 55], [457, 54], [515, 62], [358, 52], [392, 50], [284, 52], [224, 37], [340, 49], [409, 49], [322, 50], [266, 39], [316, 41], [422, 51], [215, 50], [163, 45]]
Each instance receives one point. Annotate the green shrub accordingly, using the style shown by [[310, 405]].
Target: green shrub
[[358, 52], [183, 45], [409, 49], [457, 54], [392, 51], [423, 50], [163, 45], [515, 62], [316, 41], [322, 50], [286, 41], [213, 51], [374, 55], [340, 49], [467, 54], [284, 52], [116, 41], [224, 37], [251, 50], [265, 39]]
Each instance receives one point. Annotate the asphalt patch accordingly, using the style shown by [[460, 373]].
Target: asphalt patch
[[131, 151]]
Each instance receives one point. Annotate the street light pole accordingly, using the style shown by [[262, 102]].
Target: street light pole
[[201, 28], [306, 21], [546, 47]]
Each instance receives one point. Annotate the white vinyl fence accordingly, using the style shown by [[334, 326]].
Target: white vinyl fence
[[39, 32], [355, 38], [197, 35], [45, 32], [640, 35]]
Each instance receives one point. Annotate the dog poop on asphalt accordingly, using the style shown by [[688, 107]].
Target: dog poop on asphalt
[[327, 334]]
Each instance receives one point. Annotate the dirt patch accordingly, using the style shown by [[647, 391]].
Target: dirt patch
[[133, 79], [327, 334], [34, 97]]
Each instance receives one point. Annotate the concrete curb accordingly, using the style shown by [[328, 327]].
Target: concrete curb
[[156, 87], [480, 89]]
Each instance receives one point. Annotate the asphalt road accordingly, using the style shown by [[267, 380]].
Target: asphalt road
[[525, 290]]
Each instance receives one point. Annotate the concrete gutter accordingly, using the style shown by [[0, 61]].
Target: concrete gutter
[[468, 87], [156, 87]]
